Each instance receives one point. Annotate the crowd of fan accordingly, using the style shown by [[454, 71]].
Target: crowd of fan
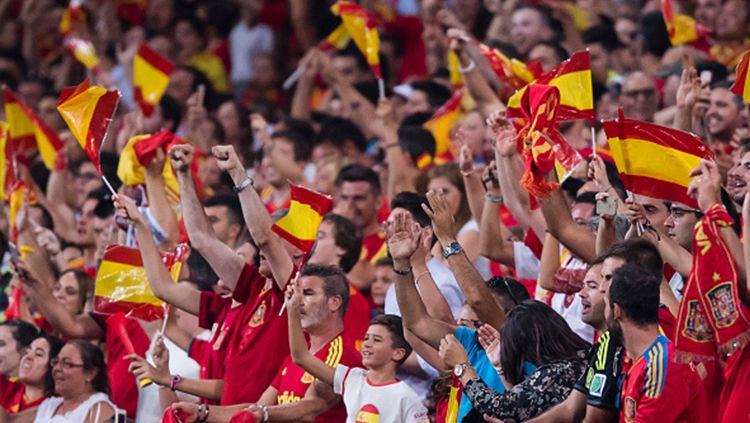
[[420, 276]]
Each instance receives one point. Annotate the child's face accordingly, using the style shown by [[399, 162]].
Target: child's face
[[377, 349], [378, 289]]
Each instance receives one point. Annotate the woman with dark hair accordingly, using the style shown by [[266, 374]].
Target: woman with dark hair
[[80, 376], [73, 289], [533, 336], [35, 371]]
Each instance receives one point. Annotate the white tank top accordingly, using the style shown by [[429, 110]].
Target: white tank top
[[46, 411]]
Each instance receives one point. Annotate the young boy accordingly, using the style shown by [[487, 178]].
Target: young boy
[[369, 395]]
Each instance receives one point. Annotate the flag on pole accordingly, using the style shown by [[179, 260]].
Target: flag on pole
[[682, 29], [741, 85], [512, 71], [442, 121], [17, 197], [457, 80], [454, 400], [122, 286], [83, 51], [88, 111], [573, 78], [642, 151], [31, 131], [362, 27], [306, 211], [150, 78], [336, 40], [7, 165]]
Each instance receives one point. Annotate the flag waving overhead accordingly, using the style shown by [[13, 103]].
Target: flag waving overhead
[[573, 78], [337, 39], [442, 121], [682, 29], [362, 27], [88, 111], [150, 78], [7, 166], [741, 85], [641, 151], [306, 211], [512, 71], [83, 51], [72, 18], [30, 131]]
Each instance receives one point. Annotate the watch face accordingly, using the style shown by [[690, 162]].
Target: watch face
[[458, 370]]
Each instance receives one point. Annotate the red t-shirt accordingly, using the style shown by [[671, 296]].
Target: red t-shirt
[[258, 341], [373, 247], [735, 394], [357, 317], [11, 389], [292, 381], [667, 321], [656, 389], [122, 383], [210, 355]]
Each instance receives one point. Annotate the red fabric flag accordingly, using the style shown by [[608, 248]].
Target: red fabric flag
[[306, 211], [741, 85], [174, 416]]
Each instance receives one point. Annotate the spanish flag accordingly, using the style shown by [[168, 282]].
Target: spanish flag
[[31, 131], [138, 153], [73, 16], [83, 51], [573, 78], [457, 81], [336, 40], [512, 71], [122, 287], [7, 166], [642, 152], [150, 78], [362, 27], [454, 400], [442, 121], [88, 111], [306, 211], [682, 29], [741, 85], [17, 197]]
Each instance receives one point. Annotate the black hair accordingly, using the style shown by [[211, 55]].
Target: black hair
[[640, 252], [338, 131], [412, 202], [359, 173], [654, 33], [509, 288], [546, 14], [535, 333], [170, 110], [302, 147], [416, 119], [93, 359], [384, 261], [348, 237], [197, 25], [55, 345], [302, 127], [201, 273], [560, 51], [46, 218], [416, 140], [370, 89], [24, 333], [636, 291], [602, 34], [393, 324], [221, 17], [232, 203], [334, 282], [85, 286], [585, 198], [437, 94]]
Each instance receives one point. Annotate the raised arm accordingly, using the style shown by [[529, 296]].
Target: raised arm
[[480, 90], [386, 129], [158, 276], [158, 202], [219, 256], [577, 239], [297, 346], [404, 236], [256, 216], [478, 294], [491, 242], [472, 182]]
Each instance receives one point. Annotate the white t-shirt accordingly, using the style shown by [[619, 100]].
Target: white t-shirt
[[46, 411], [393, 402], [245, 43]]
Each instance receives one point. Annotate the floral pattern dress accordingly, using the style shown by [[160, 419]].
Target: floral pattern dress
[[549, 385]]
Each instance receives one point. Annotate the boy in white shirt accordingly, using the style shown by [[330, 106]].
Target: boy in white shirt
[[369, 395]]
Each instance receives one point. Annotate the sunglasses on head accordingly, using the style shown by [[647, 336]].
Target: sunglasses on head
[[498, 281]]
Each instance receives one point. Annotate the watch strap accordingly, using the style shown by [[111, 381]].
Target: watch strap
[[244, 184]]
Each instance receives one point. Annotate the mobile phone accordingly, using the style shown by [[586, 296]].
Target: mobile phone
[[706, 77], [606, 207]]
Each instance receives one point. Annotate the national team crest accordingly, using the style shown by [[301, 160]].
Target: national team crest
[[696, 326], [258, 316], [307, 378], [722, 305], [368, 414], [629, 410]]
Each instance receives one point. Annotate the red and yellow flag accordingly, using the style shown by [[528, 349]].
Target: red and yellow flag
[[138, 153], [682, 29], [72, 17], [150, 78], [641, 150], [442, 121], [88, 111], [512, 71], [122, 286], [306, 211], [336, 40], [573, 78], [29, 131], [741, 85], [363, 29], [7, 165], [17, 197], [83, 51], [454, 400]]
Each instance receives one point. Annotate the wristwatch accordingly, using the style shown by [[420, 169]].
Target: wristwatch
[[244, 184], [403, 272], [459, 369], [451, 249], [175, 380]]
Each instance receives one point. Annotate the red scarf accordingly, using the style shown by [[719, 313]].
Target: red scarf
[[712, 320]]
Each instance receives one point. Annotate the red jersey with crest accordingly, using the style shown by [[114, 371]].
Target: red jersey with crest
[[258, 340], [292, 381], [656, 389]]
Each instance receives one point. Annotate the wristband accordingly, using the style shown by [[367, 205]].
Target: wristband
[[174, 381], [202, 413], [264, 409], [403, 272], [493, 198], [244, 184], [470, 67]]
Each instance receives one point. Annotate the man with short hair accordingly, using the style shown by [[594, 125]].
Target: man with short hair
[[225, 216], [529, 26], [655, 387], [639, 98], [296, 151], [722, 117], [15, 338]]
